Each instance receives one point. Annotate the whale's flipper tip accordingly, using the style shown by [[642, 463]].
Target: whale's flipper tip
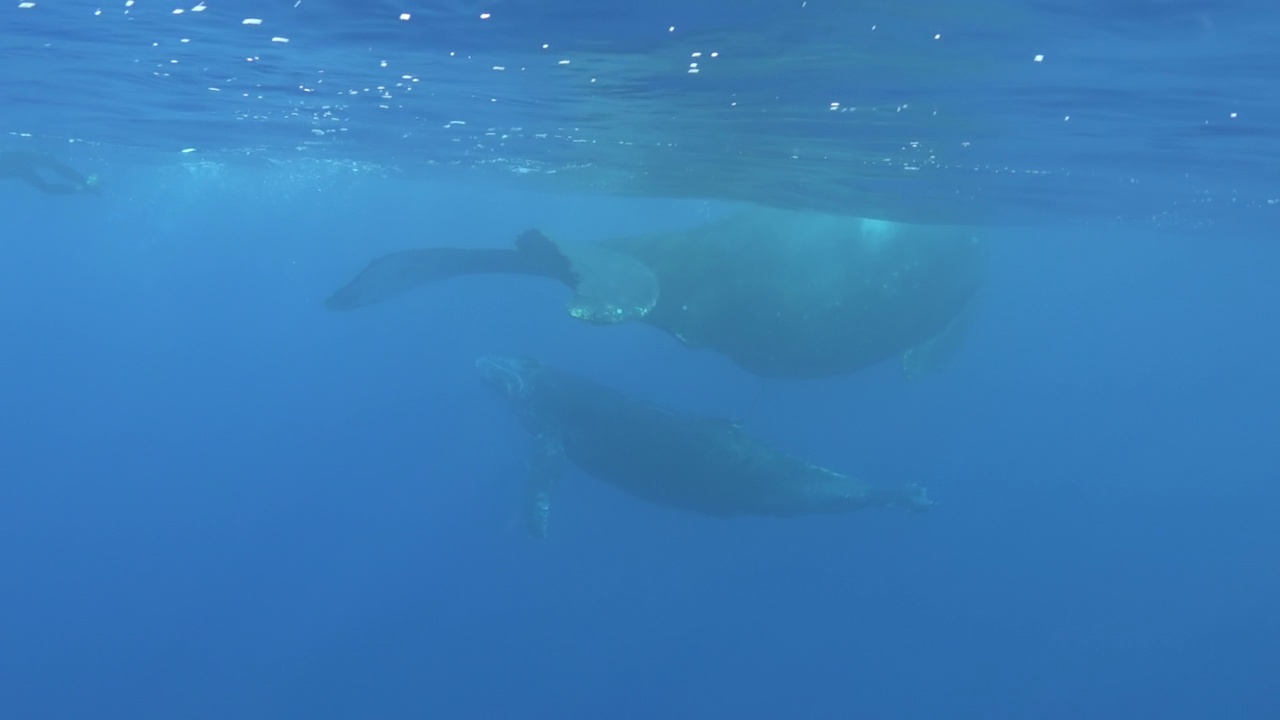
[[916, 498], [335, 303]]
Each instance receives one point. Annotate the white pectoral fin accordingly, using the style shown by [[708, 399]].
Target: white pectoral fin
[[933, 354], [546, 465]]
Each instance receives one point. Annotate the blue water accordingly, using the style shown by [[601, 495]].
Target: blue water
[[220, 500]]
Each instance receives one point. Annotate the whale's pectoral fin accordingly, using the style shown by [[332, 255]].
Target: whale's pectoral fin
[[397, 273], [611, 287], [911, 497], [933, 354], [546, 466]]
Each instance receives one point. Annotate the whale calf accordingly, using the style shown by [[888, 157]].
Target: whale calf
[[705, 465]]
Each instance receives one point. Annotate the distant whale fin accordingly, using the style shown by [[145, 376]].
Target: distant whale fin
[[397, 273], [546, 465]]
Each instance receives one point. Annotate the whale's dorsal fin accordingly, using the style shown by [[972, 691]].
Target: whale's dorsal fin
[[542, 252], [546, 466]]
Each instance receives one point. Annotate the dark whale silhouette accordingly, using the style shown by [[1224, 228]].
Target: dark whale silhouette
[[46, 174], [705, 465], [782, 293]]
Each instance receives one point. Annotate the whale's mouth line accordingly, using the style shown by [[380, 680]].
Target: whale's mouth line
[[512, 381]]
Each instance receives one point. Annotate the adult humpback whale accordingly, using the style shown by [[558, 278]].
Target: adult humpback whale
[[782, 293], [706, 465]]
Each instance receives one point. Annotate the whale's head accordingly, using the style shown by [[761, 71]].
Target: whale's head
[[511, 377]]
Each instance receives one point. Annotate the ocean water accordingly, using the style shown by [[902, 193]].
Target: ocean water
[[218, 499]]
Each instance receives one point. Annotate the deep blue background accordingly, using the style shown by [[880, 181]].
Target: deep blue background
[[220, 500]]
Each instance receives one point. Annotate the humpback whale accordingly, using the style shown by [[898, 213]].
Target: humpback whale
[[782, 293], [705, 465]]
